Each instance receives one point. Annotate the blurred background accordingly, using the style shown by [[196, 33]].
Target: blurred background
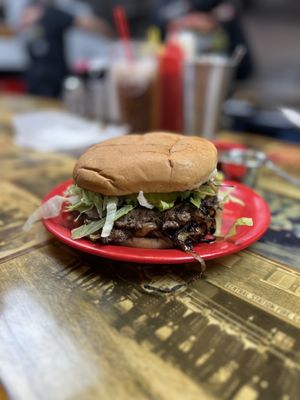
[[63, 49]]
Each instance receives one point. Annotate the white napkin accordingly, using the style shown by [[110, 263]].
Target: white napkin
[[292, 115], [51, 130]]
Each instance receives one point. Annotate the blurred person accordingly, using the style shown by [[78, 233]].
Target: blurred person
[[138, 13], [204, 17], [44, 24]]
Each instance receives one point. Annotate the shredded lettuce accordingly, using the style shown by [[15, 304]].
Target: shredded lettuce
[[86, 200], [243, 221], [223, 196], [80, 207], [50, 209], [107, 209], [98, 203], [72, 199], [239, 222], [143, 201], [218, 178], [73, 190], [162, 201], [92, 227], [218, 217], [111, 209], [236, 200], [185, 195], [196, 199], [87, 229], [131, 199], [165, 201]]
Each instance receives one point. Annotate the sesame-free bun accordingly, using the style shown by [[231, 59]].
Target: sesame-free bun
[[156, 162]]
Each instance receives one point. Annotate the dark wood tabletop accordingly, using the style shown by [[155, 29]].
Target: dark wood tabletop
[[76, 326]]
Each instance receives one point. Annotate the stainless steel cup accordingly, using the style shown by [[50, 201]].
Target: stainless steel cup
[[97, 88], [206, 81], [253, 161], [74, 95]]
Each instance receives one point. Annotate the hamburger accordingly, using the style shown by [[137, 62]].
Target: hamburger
[[156, 190]]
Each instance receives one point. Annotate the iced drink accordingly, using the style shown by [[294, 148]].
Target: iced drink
[[136, 90]]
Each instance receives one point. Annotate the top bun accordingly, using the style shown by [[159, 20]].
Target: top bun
[[155, 162]]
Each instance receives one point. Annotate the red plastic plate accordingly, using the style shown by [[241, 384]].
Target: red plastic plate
[[255, 207]]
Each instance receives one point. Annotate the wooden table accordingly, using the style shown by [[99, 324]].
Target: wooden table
[[74, 326]]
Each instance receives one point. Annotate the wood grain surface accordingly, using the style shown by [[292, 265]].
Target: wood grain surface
[[76, 326]]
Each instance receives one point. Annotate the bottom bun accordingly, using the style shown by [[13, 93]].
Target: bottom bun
[[148, 243]]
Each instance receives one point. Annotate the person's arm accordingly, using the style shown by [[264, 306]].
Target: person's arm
[[64, 20], [197, 21]]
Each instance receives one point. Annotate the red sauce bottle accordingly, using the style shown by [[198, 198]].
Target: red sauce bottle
[[170, 88]]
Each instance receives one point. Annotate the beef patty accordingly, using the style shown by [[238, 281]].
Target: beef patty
[[184, 224]]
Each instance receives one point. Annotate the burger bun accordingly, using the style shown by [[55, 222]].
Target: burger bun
[[156, 162]]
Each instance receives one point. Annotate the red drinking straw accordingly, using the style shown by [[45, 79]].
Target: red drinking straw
[[123, 30]]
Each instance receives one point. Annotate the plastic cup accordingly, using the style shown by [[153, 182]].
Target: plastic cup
[[135, 82]]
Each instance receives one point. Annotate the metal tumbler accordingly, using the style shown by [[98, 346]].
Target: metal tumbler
[[206, 81]]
